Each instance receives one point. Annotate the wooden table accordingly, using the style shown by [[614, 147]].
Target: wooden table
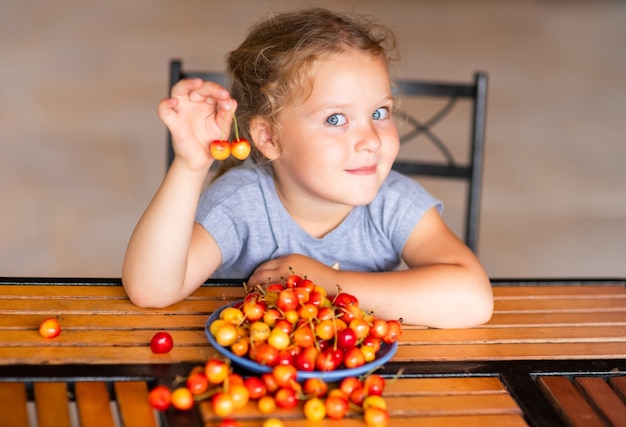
[[554, 353]]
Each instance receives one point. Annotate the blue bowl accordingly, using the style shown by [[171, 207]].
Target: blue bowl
[[383, 355]]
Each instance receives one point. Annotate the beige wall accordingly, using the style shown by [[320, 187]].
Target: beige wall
[[82, 151]]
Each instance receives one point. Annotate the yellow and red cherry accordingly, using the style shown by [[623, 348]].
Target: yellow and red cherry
[[394, 333], [182, 399], [314, 409], [220, 149], [216, 371], [336, 407], [376, 417], [240, 149], [50, 328]]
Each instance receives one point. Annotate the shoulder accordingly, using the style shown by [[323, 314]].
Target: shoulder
[[399, 189], [242, 184]]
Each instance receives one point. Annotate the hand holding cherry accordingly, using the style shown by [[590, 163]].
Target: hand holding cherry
[[221, 149]]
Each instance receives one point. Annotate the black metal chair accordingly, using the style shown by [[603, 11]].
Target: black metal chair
[[445, 96], [469, 171]]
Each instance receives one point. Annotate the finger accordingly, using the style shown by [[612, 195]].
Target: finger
[[184, 86], [167, 109], [210, 92]]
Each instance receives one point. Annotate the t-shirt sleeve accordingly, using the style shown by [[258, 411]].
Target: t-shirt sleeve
[[402, 205]]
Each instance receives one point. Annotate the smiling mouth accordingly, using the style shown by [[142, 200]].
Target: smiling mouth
[[365, 170]]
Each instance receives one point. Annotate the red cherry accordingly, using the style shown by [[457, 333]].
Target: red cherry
[[343, 299], [346, 338], [160, 398], [374, 385], [305, 359], [161, 342], [286, 398], [287, 300], [336, 407], [394, 333], [293, 280], [256, 387], [353, 358]]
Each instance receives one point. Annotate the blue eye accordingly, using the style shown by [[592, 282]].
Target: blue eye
[[336, 120], [381, 113]]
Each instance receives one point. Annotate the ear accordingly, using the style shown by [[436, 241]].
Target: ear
[[263, 136]]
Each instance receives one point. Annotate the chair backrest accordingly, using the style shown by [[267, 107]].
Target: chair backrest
[[441, 100], [413, 129]]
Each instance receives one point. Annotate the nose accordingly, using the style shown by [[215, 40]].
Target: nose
[[368, 139]]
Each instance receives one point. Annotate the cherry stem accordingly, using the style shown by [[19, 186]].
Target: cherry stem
[[236, 127]]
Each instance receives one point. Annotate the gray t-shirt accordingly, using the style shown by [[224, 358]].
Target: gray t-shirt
[[243, 213]]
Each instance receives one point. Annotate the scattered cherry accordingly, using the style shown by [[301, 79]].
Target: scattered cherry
[[160, 397], [161, 342], [50, 328]]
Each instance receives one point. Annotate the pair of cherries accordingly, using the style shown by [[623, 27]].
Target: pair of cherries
[[240, 148], [222, 149]]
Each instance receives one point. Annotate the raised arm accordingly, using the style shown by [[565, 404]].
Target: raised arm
[[445, 285], [168, 255]]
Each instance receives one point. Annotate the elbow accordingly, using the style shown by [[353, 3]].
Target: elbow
[[480, 306], [143, 295], [482, 312]]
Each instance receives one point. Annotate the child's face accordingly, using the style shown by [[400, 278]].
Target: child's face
[[338, 144]]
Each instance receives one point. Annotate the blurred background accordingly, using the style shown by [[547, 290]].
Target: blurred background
[[82, 150]]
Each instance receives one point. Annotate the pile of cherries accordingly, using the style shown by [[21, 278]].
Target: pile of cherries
[[298, 324], [292, 327]]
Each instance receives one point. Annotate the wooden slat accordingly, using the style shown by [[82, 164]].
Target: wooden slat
[[93, 402], [451, 421], [452, 405], [604, 399], [89, 291], [619, 385], [130, 355], [62, 307], [132, 400], [561, 305], [530, 320], [13, 401], [448, 386], [524, 292], [107, 321], [542, 351], [569, 403], [52, 404], [104, 338], [102, 355], [515, 335], [105, 292]]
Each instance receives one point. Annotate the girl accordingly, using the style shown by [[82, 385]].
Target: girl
[[313, 95]]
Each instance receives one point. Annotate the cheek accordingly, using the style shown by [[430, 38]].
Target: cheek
[[392, 142]]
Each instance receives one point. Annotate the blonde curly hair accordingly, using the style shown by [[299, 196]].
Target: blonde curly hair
[[271, 66]]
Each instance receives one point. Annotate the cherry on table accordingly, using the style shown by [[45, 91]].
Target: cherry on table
[[50, 328], [161, 342]]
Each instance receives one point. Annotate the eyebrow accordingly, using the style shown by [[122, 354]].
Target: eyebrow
[[331, 106]]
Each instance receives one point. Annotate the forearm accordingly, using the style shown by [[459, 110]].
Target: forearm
[[439, 296], [155, 264]]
